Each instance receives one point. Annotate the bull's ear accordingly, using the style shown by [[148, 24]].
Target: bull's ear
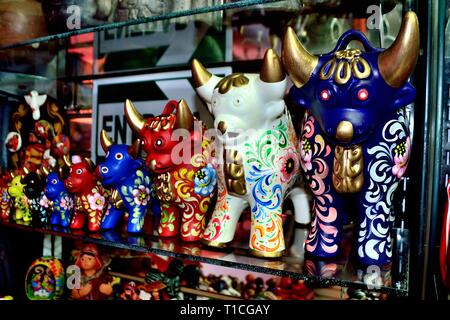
[[404, 96], [204, 82]]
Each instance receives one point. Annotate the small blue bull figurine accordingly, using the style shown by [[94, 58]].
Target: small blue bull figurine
[[123, 171], [61, 200], [355, 142]]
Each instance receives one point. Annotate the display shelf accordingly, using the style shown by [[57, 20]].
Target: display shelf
[[228, 5], [341, 271]]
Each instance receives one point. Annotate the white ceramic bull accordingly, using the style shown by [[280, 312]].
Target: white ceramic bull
[[258, 146]]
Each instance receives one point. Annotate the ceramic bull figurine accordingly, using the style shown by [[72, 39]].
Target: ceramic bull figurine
[[184, 184], [91, 199], [355, 144], [261, 160], [61, 200], [37, 201], [126, 173], [16, 191]]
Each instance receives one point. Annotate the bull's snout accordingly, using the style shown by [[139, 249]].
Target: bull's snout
[[344, 131], [222, 127]]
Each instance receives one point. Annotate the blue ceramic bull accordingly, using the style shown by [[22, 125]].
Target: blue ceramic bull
[[61, 200], [123, 171], [355, 142]]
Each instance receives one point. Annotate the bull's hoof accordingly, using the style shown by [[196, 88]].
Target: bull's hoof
[[215, 244]]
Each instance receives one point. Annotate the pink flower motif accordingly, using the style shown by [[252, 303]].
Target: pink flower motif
[[305, 155], [44, 202], [289, 164], [96, 201], [141, 195], [402, 152], [66, 203]]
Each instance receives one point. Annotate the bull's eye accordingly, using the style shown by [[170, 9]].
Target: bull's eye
[[214, 102], [238, 101], [118, 156], [79, 171], [325, 95], [54, 181], [104, 169], [363, 95], [158, 142]]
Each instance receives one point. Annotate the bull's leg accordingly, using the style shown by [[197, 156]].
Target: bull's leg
[[193, 221], [169, 225], [78, 219], [95, 217], [111, 217], [136, 219], [316, 158], [223, 223], [386, 157], [300, 200]]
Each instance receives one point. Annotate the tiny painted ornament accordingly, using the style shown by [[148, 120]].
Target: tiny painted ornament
[[355, 142], [37, 200], [59, 199], [90, 198], [257, 160], [5, 201], [16, 190], [184, 181], [123, 171], [45, 279]]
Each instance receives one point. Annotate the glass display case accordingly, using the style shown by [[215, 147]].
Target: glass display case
[[91, 59]]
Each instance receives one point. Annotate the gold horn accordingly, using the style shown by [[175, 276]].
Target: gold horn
[[297, 61], [45, 171], [90, 163], [397, 63], [199, 73], [12, 175], [135, 120], [105, 141], [67, 160], [135, 148], [184, 118], [272, 69], [25, 169]]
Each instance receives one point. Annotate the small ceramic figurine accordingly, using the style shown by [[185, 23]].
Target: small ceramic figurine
[[37, 201], [91, 199], [260, 158], [16, 191], [5, 201], [355, 142], [184, 184], [126, 173], [96, 284], [60, 199]]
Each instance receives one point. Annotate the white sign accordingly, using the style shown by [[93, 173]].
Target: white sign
[[110, 94]]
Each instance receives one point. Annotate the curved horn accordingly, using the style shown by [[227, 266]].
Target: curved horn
[[38, 172], [12, 175], [297, 61], [184, 118], [135, 148], [105, 141], [397, 63], [272, 69], [45, 171], [25, 170], [67, 160], [90, 163], [135, 120], [199, 73]]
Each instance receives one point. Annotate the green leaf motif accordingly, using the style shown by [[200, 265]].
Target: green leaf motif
[[124, 190]]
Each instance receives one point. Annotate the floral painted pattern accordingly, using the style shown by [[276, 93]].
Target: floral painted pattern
[[96, 201], [289, 164], [44, 202], [66, 203], [401, 156], [141, 195], [205, 181]]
